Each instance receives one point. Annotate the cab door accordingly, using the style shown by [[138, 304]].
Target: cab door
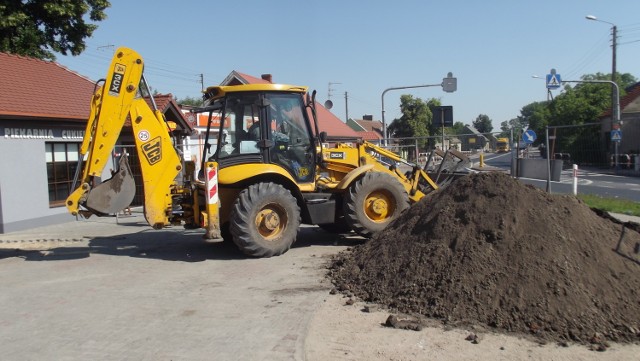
[[288, 128]]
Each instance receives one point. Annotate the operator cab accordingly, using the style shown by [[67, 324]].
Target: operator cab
[[261, 124]]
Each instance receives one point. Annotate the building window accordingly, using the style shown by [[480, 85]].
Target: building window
[[62, 161]]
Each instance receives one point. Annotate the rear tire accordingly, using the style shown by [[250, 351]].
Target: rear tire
[[373, 201], [264, 220]]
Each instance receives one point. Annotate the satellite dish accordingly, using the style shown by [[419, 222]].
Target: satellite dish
[[328, 104]]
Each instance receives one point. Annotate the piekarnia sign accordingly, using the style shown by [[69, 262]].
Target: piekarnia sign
[[40, 133]]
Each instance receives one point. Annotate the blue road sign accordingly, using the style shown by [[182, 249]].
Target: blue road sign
[[553, 81], [529, 136], [616, 135]]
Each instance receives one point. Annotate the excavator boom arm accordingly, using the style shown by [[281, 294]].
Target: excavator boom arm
[[111, 104]]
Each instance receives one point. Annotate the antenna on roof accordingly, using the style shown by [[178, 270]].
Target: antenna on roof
[[109, 46], [330, 89]]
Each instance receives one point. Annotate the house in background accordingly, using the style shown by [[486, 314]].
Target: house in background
[[472, 140], [44, 108], [630, 122], [369, 129], [43, 114], [493, 141]]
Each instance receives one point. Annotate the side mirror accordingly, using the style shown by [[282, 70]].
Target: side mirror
[[323, 137]]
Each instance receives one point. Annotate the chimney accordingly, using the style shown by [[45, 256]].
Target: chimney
[[367, 117], [266, 77]]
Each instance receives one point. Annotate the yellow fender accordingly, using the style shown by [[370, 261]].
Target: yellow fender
[[352, 175], [238, 173]]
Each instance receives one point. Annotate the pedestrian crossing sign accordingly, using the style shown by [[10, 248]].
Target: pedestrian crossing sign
[[553, 81], [616, 135]]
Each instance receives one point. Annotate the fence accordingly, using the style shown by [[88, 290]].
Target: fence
[[590, 147], [415, 149]]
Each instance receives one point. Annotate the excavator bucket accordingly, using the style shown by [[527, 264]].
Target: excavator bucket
[[115, 193], [450, 167]]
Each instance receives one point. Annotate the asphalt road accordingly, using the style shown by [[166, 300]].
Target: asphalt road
[[590, 181], [94, 290], [97, 290]]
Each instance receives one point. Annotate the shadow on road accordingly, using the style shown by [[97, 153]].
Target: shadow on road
[[168, 244]]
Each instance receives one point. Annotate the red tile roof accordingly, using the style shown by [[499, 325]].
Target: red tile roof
[[633, 93], [237, 78], [169, 107], [162, 101], [253, 80], [370, 125], [328, 122], [42, 89], [370, 136]]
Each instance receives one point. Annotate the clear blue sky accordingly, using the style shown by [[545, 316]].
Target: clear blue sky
[[493, 47]]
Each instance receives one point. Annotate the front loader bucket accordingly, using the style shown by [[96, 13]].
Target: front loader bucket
[[450, 168], [115, 193]]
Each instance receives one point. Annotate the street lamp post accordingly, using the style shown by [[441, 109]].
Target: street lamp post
[[614, 35], [449, 85]]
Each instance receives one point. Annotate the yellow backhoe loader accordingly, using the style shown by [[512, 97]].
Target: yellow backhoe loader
[[266, 168]]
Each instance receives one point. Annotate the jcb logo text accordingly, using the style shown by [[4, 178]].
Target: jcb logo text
[[152, 150]]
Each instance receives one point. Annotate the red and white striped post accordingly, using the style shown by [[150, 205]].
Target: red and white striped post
[[575, 179], [213, 200]]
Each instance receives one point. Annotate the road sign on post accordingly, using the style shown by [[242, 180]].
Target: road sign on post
[[616, 135], [443, 116], [553, 80], [529, 136]]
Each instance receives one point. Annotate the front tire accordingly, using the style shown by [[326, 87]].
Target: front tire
[[264, 220], [373, 201]]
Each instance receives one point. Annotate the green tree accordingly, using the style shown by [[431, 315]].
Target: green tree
[[38, 28], [585, 102], [414, 122], [579, 103], [433, 103], [515, 124], [195, 101], [458, 128], [535, 116], [483, 124]]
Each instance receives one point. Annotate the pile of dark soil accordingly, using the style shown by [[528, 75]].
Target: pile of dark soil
[[490, 251]]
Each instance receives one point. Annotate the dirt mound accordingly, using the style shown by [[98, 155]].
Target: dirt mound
[[488, 250]]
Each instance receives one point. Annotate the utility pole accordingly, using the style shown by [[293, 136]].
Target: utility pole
[[614, 44], [202, 81], [346, 107], [614, 32]]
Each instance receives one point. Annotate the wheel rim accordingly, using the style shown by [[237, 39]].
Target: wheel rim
[[379, 206], [271, 221]]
